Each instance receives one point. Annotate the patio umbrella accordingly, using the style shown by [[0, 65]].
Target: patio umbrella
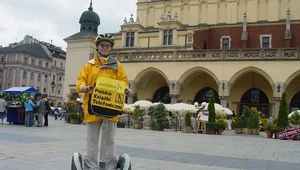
[[217, 107], [128, 107], [143, 104], [183, 107], [290, 115]]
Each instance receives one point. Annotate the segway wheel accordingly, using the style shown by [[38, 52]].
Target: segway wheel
[[76, 163], [124, 162]]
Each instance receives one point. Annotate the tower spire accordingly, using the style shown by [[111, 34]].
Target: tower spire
[[91, 5]]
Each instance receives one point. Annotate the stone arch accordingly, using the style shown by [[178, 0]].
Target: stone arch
[[241, 72], [188, 73], [291, 78], [149, 70], [148, 81]]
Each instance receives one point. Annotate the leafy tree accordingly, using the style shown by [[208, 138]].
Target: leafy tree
[[282, 119]]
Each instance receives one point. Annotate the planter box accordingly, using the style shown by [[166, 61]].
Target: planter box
[[75, 121], [121, 124], [238, 130], [187, 129], [157, 127], [245, 130], [137, 126], [269, 134]]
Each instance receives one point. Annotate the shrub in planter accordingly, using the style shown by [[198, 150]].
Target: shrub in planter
[[282, 119], [269, 129], [212, 127], [188, 123], [253, 123], [222, 124], [158, 118], [137, 116], [121, 124], [74, 118]]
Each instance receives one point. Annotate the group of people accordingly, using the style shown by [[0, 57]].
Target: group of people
[[40, 107]]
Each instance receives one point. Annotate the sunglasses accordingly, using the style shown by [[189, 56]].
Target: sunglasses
[[105, 45]]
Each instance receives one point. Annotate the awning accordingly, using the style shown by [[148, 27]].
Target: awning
[[21, 90]]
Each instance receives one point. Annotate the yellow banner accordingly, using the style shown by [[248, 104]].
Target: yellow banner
[[109, 93]]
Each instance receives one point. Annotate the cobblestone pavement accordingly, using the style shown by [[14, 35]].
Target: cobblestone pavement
[[51, 148]]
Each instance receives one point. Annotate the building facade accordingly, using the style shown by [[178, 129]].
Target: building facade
[[36, 64], [246, 52]]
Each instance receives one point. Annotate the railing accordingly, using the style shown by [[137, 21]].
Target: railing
[[211, 55]]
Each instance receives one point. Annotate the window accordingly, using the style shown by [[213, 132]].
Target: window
[[38, 88], [1, 72], [52, 90], [32, 61], [129, 39], [23, 85], [40, 63], [25, 60], [45, 90], [225, 42], [54, 78], [2, 59], [24, 74], [39, 77], [58, 91], [8, 85], [0, 87], [59, 79], [47, 65], [61, 64], [168, 37], [54, 63], [10, 72], [32, 75], [266, 41], [46, 77]]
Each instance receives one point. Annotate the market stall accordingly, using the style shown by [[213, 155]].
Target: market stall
[[15, 97]]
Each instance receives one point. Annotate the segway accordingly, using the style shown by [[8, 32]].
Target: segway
[[123, 163]]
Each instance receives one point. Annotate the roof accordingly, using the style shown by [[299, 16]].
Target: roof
[[21, 90], [35, 50], [82, 34]]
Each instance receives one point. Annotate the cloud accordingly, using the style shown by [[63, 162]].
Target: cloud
[[57, 19]]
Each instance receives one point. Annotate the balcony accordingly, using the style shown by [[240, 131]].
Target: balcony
[[211, 55]]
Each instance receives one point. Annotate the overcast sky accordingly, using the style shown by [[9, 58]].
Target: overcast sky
[[55, 20]]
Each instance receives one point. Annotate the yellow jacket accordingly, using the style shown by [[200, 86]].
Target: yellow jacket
[[109, 68]]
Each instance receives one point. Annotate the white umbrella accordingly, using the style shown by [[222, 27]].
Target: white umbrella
[[183, 107], [290, 115], [217, 107], [143, 104], [127, 107], [227, 111]]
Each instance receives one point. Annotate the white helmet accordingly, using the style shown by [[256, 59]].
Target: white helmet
[[78, 100]]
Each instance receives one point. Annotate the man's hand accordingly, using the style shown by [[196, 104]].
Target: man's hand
[[129, 92], [84, 89]]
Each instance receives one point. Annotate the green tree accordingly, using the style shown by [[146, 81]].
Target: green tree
[[211, 109], [282, 119]]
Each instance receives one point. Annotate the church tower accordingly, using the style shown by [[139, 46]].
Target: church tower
[[80, 48]]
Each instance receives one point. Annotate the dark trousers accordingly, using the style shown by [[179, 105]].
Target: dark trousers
[[46, 119]]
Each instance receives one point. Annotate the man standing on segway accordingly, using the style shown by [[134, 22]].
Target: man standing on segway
[[106, 66]]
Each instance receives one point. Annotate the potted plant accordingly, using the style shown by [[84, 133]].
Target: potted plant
[[222, 125], [269, 128], [137, 117], [121, 124], [74, 118], [188, 123], [253, 123], [238, 125], [158, 118]]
